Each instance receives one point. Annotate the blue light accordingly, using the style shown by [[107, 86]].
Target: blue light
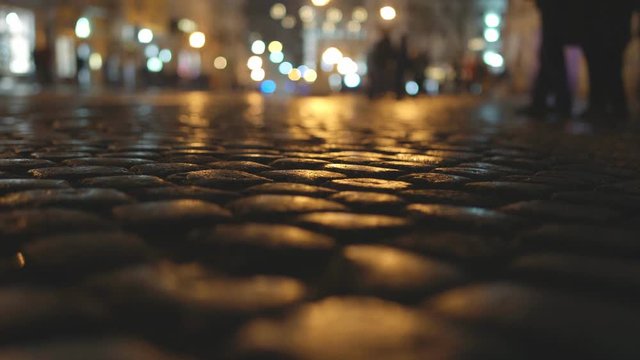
[[276, 57], [412, 88], [268, 87], [285, 68]]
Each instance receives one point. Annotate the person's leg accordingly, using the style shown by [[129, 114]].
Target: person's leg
[[621, 35], [596, 87]]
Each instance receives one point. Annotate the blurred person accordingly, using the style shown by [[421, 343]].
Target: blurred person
[[402, 64], [420, 66], [552, 80], [381, 65], [606, 35]]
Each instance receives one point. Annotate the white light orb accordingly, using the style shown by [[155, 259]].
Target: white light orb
[[332, 56], [154, 65], [491, 35], [197, 40], [347, 66], [145, 36], [310, 76], [388, 13], [254, 62], [257, 75], [320, 2], [492, 20], [83, 27], [352, 80], [258, 47]]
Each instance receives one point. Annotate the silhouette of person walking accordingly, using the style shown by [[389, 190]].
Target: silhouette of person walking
[[551, 80], [403, 62], [381, 63], [606, 35]]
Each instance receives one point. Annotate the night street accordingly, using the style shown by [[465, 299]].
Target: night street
[[189, 225]]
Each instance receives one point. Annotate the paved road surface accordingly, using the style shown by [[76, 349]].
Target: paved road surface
[[184, 225]]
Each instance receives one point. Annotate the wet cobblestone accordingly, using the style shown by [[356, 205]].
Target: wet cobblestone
[[188, 226]]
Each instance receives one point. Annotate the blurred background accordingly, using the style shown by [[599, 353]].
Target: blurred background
[[282, 46]]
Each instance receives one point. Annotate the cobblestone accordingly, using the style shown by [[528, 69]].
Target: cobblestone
[[338, 229]]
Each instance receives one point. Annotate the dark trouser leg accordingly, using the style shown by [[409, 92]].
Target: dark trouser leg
[[615, 84], [596, 63], [541, 86]]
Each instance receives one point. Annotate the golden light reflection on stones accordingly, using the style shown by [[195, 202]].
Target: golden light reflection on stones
[[354, 328]]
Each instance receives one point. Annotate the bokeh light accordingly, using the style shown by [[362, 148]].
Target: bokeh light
[[352, 80], [220, 63], [334, 15], [268, 87], [145, 36], [285, 68], [412, 88], [332, 56], [491, 35], [320, 2], [360, 14], [276, 57], [151, 50], [258, 47], [155, 65], [83, 27], [289, 22], [310, 76], [388, 13], [197, 40], [347, 66], [307, 13], [492, 20], [295, 75], [95, 62], [275, 46], [165, 55], [257, 75], [254, 62], [493, 59], [278, 11]]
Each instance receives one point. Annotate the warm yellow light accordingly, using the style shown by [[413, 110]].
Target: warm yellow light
[[95, 61], [334, 15], [332, 56], [278, 11], [289, 22], [220, 63], [360, 14], [388, 13], [275, 47], [187, 25], [307, 13], [310, 76], [197, 40], [320, 2], [254, 62], [295, 75]]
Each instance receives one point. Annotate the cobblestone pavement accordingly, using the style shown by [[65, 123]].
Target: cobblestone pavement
[[194, 226]]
